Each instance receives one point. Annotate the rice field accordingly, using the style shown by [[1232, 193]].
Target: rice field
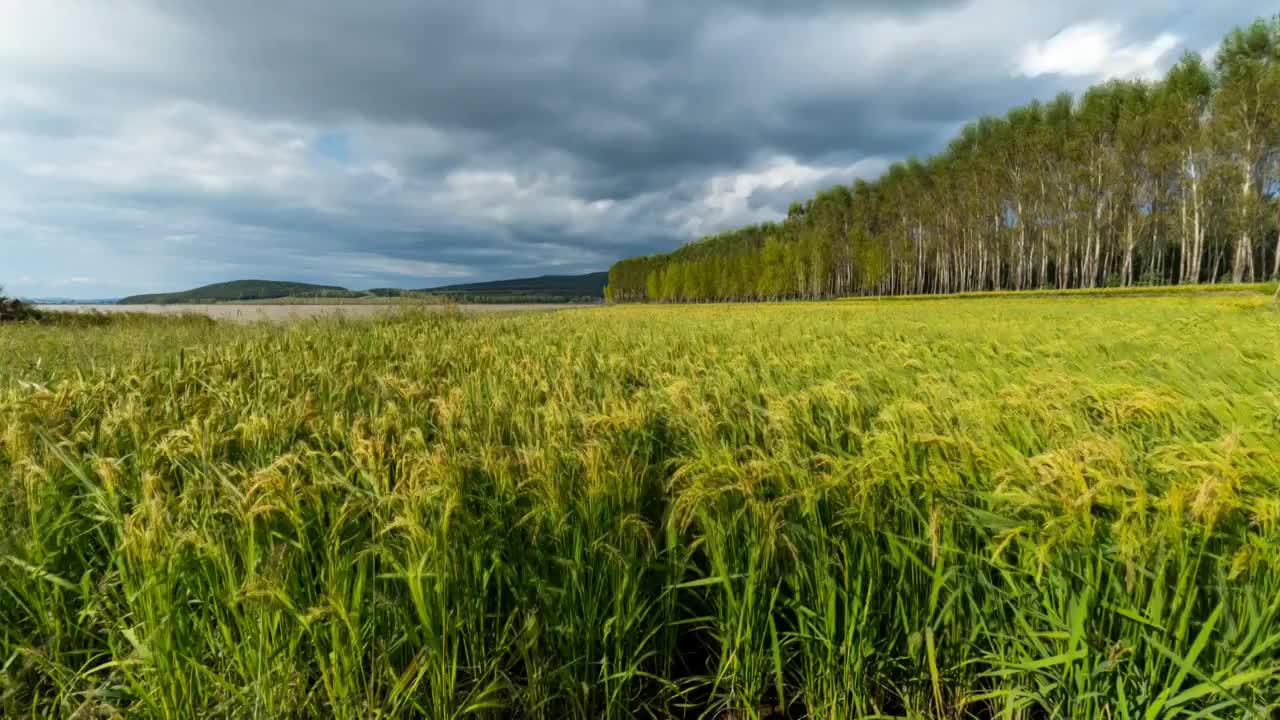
[[981, 508]]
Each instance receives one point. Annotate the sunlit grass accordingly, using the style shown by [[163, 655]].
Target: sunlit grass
[[983, 508]]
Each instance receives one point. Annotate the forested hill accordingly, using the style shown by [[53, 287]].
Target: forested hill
[[240, 290], [589, 286], [1132, 183], [542, 289]]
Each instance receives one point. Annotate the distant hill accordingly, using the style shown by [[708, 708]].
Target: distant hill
[[543, 289], [241, 290], [565, 287]]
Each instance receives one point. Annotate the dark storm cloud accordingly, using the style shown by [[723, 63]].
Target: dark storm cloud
[[489, 137], [626, 86], [622, 86]]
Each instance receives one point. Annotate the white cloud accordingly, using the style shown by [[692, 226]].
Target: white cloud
[[1096, 49], [502, 197], [133, 38], [177, 146], [75, 280], [727, 199], [361, 265]]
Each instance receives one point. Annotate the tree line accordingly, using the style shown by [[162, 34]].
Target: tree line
[[1133, 183]]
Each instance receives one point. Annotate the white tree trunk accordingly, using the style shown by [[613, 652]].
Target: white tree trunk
[[1184, 248], [1197, 235], [1275, 263], [1244, 247], [1127, 274]]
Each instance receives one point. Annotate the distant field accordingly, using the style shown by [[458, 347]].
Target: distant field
[[464, 303], [984, 508], [415, 300], [296, 309]]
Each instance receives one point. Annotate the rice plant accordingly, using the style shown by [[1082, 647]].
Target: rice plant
[[974, 508]]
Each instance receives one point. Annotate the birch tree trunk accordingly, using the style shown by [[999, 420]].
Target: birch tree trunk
[[1197, 235], [1275, 262], [1244, 247], [1126, 274]]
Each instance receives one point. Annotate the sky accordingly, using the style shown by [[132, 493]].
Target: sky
[[159, 145]]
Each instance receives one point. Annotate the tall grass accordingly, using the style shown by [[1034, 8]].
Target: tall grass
[[977, 509]]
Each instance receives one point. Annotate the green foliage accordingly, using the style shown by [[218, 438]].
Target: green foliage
[[13, 310], [985, 508]]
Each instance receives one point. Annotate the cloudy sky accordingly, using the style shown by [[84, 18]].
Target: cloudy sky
[[165, 144]]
